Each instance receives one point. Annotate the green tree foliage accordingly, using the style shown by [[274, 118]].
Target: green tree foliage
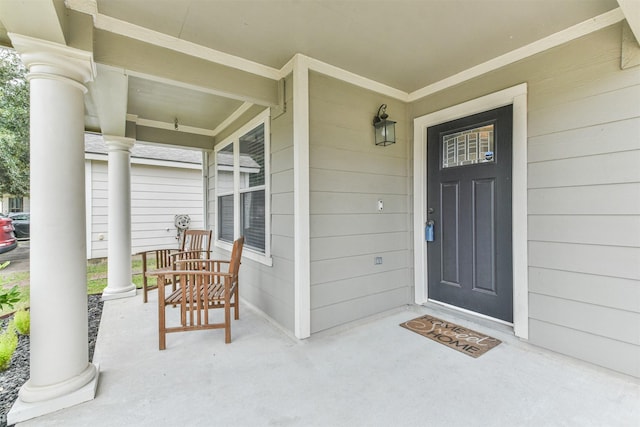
[[14, 125]]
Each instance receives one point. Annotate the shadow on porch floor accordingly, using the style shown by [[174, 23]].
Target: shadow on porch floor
[[374, 373]]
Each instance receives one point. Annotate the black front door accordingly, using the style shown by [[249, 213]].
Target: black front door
[[469, 202]]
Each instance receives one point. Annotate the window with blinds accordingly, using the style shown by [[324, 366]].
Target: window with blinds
[[252, 173], [224, 186], [241, 187]]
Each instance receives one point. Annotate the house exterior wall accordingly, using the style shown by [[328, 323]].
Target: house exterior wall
[[270, 288], [5, 204], [348, 175], [158, 193], [583, 195]]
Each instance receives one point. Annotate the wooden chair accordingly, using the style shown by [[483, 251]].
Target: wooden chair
[[195, 244], [202, 285], [196, 240], [164, 260]]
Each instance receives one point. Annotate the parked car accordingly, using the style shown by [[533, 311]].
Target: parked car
[[8, 240], [21, 224]]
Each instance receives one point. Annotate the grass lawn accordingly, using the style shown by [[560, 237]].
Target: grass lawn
[[96, 280]]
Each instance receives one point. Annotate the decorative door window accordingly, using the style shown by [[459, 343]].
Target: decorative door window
[[468, 147]]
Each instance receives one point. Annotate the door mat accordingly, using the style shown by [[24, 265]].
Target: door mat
[[464, 340]]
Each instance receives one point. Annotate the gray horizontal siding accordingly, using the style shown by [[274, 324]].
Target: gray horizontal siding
[[623, 230], [584, 201], [348, 175], [603, 351], [607, 291]]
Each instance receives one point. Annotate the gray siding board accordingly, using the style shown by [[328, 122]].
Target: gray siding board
[[612, 199], [606, 291], [350, 310], [281, 203], [282, 247], [282, 225], [282, 182], [609, 168], [356, 266], [589, 318], [620, 104], [610, 353], [326, 248], [346, 160], [327, 294], [329, 203], [611, 261], [581, 76], [255, 288], [622, 230], [352, 225], [599, 139], [282, 160], [326, 180]]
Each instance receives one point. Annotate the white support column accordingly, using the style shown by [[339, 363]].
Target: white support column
[[119, 237], [61, 374], [302, 267]]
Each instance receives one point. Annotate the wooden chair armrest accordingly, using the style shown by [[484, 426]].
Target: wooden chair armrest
[[154, 251], [187, 255]]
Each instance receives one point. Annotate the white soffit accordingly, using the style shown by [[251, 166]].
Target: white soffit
[[176, 43], [166, 102], [402, 44]]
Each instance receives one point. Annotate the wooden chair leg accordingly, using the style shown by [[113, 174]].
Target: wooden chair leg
[[144, 277], [236, 304], [227, 318], [162, 341]]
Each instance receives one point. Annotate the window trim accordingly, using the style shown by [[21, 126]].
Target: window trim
[[263, 118]]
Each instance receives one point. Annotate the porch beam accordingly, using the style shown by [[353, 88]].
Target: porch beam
[[173, 137], [168, 65], [631, 10], [42, 20], [60, 372], [110, 90]]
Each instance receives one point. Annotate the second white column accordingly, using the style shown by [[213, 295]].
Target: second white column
[[119, 283]]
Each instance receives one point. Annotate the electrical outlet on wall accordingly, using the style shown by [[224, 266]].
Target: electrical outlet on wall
[[377, 260]]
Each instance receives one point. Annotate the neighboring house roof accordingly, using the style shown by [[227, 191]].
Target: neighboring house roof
[[94, 143], [246, 161]]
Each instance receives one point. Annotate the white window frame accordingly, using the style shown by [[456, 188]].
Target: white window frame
[[261, 119]]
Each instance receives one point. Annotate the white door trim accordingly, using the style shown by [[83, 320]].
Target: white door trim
[[516, 95]]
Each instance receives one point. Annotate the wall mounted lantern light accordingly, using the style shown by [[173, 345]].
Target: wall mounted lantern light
[[385, 129]]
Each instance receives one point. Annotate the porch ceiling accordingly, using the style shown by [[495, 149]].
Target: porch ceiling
[[163, 102], [406, 44], [205, 62]]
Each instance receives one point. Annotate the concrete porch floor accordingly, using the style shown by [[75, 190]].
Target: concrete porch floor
[[373, 373]]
